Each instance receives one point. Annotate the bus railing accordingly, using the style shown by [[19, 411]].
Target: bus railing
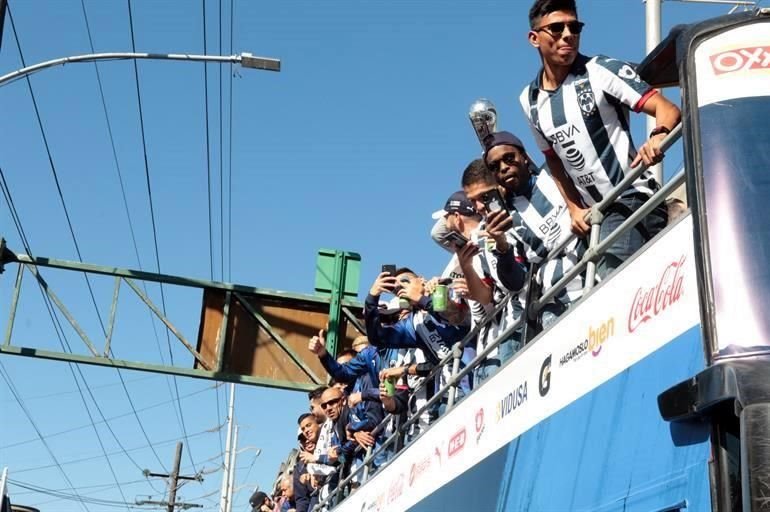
[[587, 263]]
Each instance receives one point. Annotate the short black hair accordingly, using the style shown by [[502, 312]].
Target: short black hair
[[303, 416], [478, 172], [545, 7], [317, 392], [404, 270]]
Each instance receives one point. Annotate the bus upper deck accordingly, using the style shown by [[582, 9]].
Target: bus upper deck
[[573, 421]]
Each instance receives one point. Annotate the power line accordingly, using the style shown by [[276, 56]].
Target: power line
[[81, 427], [154, 228], [116, 452], [125, 204], [20, 401], [66, 496], [221, 167], [77, 249], [230, 159], [51, 163], [208, 144], [63, 393], [54, 317]]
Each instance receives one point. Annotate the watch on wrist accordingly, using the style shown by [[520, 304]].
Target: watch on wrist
[[658, 130]]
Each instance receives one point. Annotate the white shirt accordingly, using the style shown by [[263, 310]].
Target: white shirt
[[585, 122]]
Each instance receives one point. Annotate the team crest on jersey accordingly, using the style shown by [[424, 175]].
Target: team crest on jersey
[[585, 97], [587, 102]]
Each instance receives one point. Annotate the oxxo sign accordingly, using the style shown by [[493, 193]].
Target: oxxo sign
[[741, 59]]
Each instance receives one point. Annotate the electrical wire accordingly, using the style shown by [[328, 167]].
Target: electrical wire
[[54, 317], [64, 393], [221, 167], [81, 427], [66, 496], [128, 214], [230, 158], [116, 452], [20, 401], [208, 144], [154, 229]]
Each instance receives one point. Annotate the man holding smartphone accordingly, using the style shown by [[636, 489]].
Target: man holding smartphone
[[533, 220]]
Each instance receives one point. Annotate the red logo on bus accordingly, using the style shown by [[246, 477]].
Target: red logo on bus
[[741, 59], [650, 302], [457, 443]]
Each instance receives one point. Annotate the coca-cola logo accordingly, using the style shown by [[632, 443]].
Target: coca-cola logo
[[741, 59], [650, 302]]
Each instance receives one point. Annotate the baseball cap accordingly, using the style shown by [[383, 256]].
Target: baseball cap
[[501, 139], [457, 202], [258, 499]]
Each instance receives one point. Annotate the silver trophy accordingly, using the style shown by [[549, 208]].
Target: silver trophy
[[483, 115]]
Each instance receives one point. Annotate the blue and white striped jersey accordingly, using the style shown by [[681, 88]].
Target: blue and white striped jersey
[[541, 222], [585, 122]]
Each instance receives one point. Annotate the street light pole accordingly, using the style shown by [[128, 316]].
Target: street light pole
[[652, 18], [246, 60]]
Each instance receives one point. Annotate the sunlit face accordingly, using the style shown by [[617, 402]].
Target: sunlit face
[[413, 284], [511, 167], [475, 193], [310, 428], [558, 49], [331, 403], [316, 410]]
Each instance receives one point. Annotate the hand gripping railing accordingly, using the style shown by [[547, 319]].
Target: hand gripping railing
[[587, 263]]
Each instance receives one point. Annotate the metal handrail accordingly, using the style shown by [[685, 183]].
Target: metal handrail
[[615, 193], [595, 250]]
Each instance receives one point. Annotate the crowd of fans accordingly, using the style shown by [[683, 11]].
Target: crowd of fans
[[502, 228]]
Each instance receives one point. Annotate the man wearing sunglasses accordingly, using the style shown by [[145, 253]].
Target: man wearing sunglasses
[[578, 108], [534, 221], [325, 459]]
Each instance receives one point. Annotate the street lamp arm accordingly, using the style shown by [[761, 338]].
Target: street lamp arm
[[245, 59]]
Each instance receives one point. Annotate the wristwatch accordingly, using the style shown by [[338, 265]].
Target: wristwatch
[[658, 130]]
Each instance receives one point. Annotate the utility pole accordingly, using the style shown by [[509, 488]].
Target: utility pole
[[231, 476], [173, 484], [652, 25], [224, 497]]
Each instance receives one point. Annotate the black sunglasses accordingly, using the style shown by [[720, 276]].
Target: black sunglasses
[[508, 158], [556, 28], [330, 403]]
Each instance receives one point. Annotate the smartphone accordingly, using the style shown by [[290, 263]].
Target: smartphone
[[389, 269], [455, 239], [493, 201]]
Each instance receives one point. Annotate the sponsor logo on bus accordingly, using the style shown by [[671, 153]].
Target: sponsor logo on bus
[[423, 465], [592, 343], [650, 302], [396, 488], [456, 443], [513, 400], [741, 59], [544, 382], [479, 424]]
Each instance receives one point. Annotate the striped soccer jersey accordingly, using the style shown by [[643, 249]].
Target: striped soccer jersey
[[541, 222], [585, 122]]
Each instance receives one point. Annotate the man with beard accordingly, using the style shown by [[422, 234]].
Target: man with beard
[[534, 220]]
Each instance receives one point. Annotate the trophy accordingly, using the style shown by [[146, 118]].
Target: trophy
[[483, 117]]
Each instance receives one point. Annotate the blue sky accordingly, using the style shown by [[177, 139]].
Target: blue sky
[[352, 145]]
